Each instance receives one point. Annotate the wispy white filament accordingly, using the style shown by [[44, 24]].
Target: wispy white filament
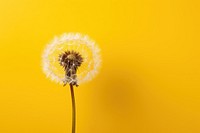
[[79, 43]]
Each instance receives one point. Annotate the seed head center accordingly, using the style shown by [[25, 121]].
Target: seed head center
[[70, 60]]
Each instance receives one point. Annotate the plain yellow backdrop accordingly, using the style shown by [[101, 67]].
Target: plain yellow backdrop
[[150, 77]]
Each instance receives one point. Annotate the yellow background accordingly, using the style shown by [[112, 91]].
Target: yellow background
[[149, 81]]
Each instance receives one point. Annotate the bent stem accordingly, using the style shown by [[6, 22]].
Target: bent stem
[[73, 109]]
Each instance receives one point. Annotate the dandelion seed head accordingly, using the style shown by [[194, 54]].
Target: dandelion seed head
[[81, 44]]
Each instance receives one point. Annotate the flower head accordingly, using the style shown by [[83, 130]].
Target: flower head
[[71, 58]]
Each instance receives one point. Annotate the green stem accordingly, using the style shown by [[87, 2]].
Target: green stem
[[73, 109]]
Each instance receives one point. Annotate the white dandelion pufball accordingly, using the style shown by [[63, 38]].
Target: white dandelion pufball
[[77, 43]]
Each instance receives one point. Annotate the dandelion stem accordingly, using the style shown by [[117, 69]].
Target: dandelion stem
[[73, 109]]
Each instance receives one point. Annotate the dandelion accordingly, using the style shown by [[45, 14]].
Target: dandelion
[[71, 59]]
